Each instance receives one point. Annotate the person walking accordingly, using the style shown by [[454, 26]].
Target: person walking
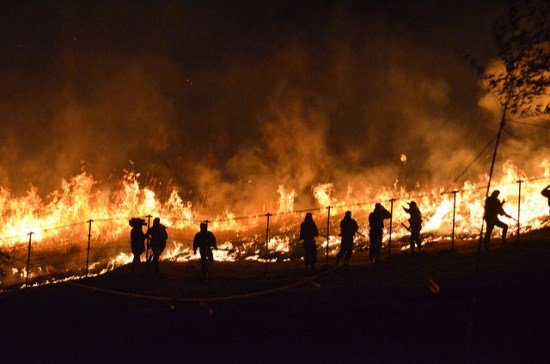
[[493, 209]]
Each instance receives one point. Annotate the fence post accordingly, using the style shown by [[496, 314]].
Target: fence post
[[148, 243], [328, 233], [266, 243], [519, 206], [391, 227], [88, 251], [454, 216], [28, 259]]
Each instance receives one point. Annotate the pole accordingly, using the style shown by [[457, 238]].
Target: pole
[[501, 127], [89, 238], [454, 216], [391, 225], [519, 206], [266, 242], [328, 233], [472, 324], [148, 242], [28, 259]]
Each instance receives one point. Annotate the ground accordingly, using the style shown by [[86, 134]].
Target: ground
[[435, 306]]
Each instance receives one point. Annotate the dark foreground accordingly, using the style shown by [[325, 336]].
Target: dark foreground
[[390, 312]]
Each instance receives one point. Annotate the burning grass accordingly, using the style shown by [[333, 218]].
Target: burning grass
[[82, 215]]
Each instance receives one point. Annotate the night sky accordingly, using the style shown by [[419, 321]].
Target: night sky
[[226, 99]]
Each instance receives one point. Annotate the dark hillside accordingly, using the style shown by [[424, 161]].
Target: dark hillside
[[429, 307]]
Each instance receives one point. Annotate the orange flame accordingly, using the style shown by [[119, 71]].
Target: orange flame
[[63, 221]]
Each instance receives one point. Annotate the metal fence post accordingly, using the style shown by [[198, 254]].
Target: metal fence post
[[148, 243], [391, 227], [88, 251], [519, 206], [28, 259], [454, 217], [328, 233], [266, 243]]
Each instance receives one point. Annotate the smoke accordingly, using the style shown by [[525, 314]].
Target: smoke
[[229, 101]]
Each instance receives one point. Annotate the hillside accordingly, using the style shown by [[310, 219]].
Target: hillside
[[426, 307]]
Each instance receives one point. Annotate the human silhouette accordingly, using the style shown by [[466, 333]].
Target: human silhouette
[[158, 235], [205, 241], [493, 208], [137, 240], [546, 193], [376, 223], [308, 232], [348, 229], [415, 225]]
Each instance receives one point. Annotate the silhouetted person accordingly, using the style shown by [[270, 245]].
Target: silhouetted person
[[348, 229], [158, 235], [546, 193], [493, 208], [415, 225], [376, 222], [205, 241], [137, 240], [308, 233]]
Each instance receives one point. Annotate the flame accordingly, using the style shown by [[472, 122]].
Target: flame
[[83, 212], [322, 194], [286, 199]]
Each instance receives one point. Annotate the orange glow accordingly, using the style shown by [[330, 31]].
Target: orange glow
[[62, 223]]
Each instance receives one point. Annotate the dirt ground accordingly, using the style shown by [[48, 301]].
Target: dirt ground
[[431, 307]]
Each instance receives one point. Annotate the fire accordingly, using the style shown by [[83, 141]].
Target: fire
[[322, 194], [82, 212], [441, 211], [286, 199]]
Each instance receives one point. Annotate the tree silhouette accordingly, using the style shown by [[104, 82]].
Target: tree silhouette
[[523, 42]]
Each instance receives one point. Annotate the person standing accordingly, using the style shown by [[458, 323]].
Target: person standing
[[348, 229], [546, 193], [415, 225], [158, 235], [137, 240], [376, 223], [205, 241], [493, 208], [308, 233]]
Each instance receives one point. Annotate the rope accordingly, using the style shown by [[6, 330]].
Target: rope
[[203, 299], [469, 165]]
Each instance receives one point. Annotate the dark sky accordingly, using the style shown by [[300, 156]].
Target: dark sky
[[224, 96]]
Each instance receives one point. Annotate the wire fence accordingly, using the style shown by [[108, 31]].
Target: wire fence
[[96, 246]]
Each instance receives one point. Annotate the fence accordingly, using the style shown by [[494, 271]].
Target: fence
[[96, 246]]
